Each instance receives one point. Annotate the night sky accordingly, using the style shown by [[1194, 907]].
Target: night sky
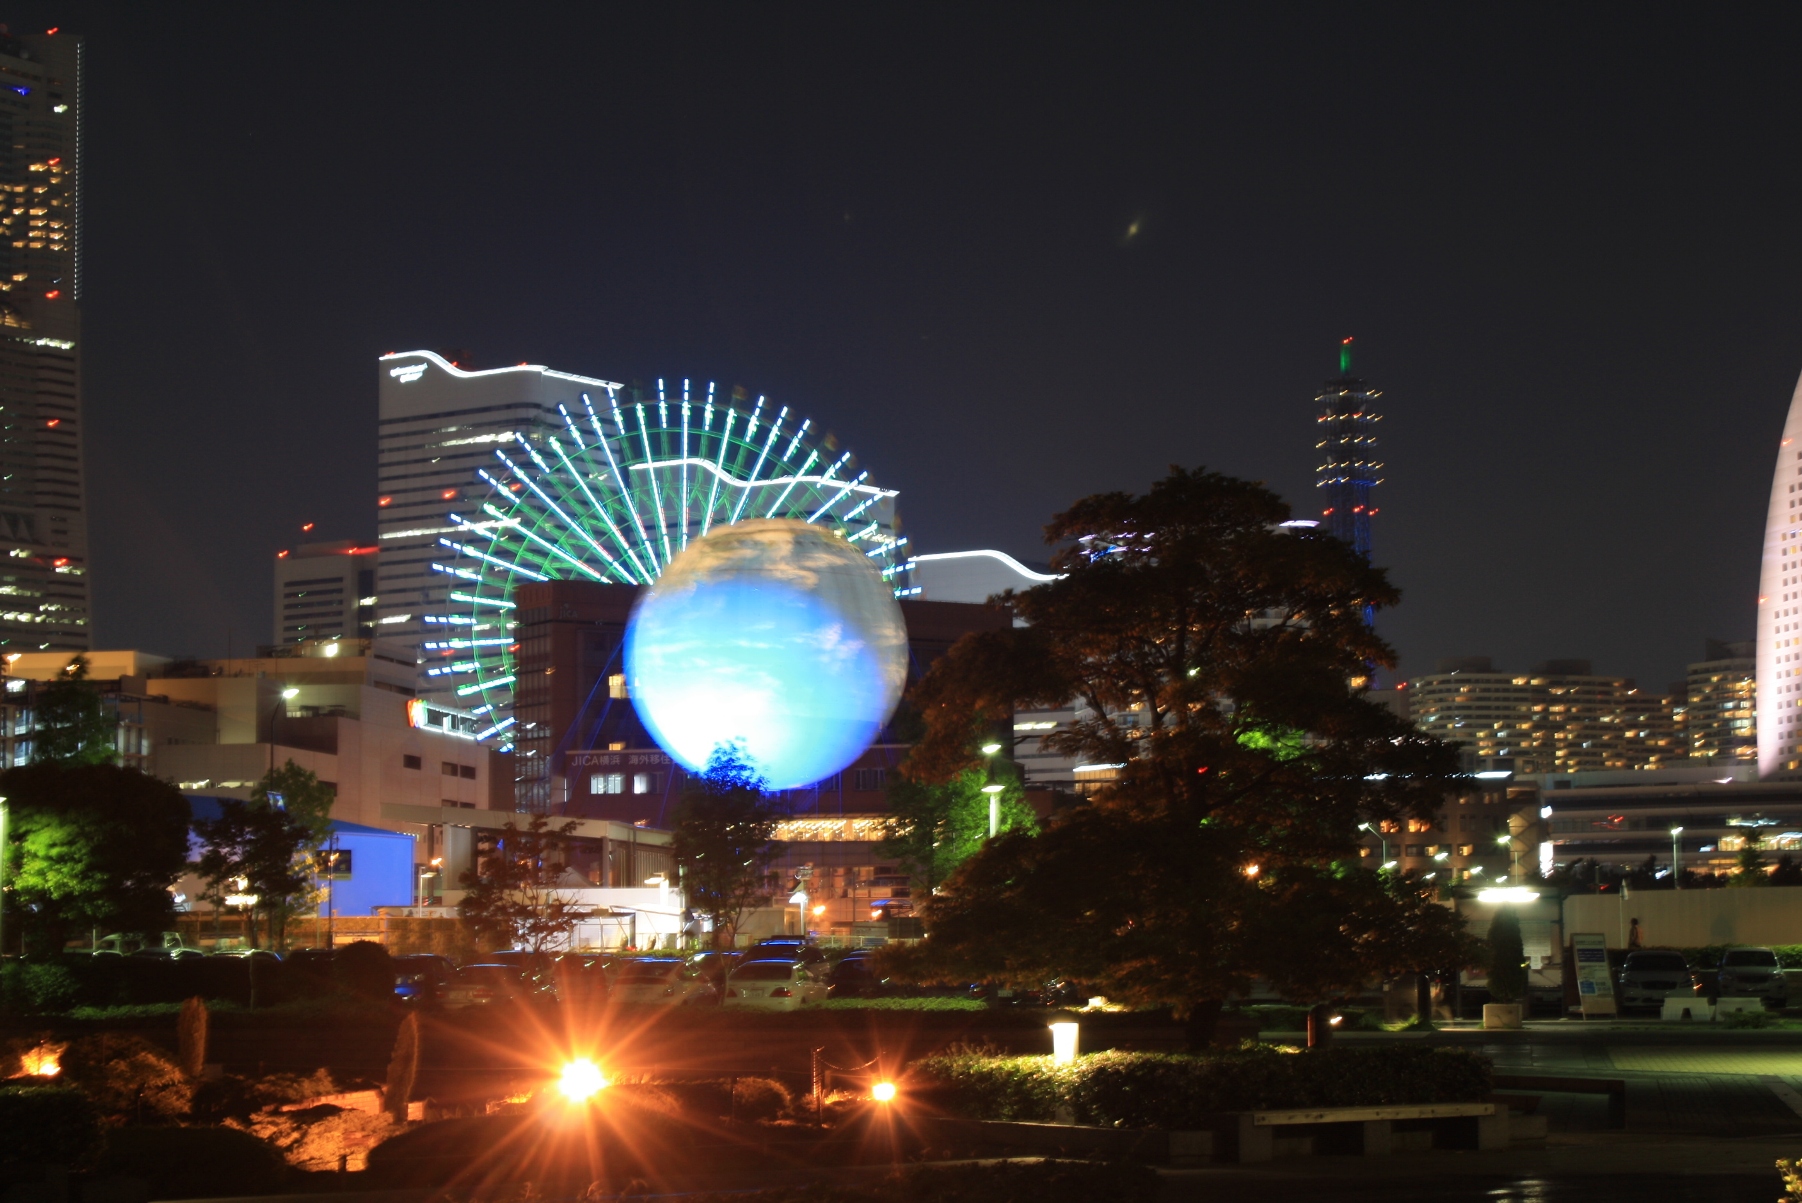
[[1009, 258]]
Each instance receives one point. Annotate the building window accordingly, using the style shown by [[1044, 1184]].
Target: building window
[[868, 781], [647, 783], [607, 783], [830, 785], [450, 770], [616, 687], [1415, 850], [1417, 825], [409, 762], [1466, 849], [467, 772]]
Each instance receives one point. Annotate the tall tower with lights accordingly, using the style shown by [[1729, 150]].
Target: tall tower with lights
[[1349, 470]]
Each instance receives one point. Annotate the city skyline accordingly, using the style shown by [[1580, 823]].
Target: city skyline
[[1004, 306]]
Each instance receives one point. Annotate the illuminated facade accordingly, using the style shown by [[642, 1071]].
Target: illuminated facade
[[1349, 471], [1557, 718], [44, 591], [610, 495], [438, 423], [1721, 717], [325, 591], [1778, 666]]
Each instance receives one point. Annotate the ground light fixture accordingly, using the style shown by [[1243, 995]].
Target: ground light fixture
[[581, 1080], [1063, 1043], [883, 1092], [1507, 894]]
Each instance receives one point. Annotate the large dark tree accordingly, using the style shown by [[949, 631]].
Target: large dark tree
[[72, 724], [941, 824], [1223, 661], [91, 845], [518, 894], [724, 840], [269, 843]]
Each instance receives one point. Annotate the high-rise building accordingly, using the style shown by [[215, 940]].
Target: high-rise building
[[1349, 471], [1723, 694], [325, 591], [1560, 717], [439, 422], [1778, 665], [44, 602]]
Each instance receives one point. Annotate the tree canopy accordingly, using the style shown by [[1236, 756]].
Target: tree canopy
[[269, 842], [941, 824], [1222, 660], [514, 899], [91, 845], [72, 724], [723, 839]]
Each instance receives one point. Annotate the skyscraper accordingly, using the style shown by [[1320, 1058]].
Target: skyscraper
[[43, 512], [1779, 660], [438, 423], [1347, 426], [325, 591]]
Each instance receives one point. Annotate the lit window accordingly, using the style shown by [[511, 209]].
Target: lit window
[[607, 783], [616, 686]]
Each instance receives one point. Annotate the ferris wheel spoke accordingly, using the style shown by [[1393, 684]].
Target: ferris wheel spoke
[[595, 506], [775, 428], [644, 438], [625, 490]]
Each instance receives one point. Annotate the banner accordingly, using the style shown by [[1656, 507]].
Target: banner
[[1595, 982]]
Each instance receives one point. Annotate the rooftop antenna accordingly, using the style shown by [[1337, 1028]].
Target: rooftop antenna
[[1345, 356]]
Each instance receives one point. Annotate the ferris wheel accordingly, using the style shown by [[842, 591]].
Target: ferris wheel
[[613, 497]]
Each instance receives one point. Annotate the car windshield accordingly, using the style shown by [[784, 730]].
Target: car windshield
[[1762, 958], [765, 971], [490, 973], [1657, 960], [646, 976]]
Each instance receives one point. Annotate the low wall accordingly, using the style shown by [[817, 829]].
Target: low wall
[[1691, 918]]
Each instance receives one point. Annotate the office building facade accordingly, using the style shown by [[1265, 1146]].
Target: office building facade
[[1560, 717], [325, 591], [1349, 472], [1722, 711], [44, 588], [438, 423]]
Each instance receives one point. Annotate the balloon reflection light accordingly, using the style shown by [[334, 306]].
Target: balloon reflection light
[[773, 633]]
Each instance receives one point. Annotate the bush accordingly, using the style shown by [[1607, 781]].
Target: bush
[[1161, 1090], [47, 1125], [363, 968], [127, 1078], [194, 1163], [904, 1004], [995, 1182], [33, 987]]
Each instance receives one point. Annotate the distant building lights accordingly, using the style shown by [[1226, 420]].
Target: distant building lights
[[281, 555], [384, 500], [54, 422]]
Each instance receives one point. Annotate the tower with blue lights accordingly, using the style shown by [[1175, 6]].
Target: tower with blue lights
[[1349, 470]]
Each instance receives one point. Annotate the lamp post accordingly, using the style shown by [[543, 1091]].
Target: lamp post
[[1381, 838], [3, 850], [993, 790], [1676, 858], [280, 708], [1507, 841]]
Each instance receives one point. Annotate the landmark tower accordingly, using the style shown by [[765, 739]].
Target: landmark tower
[[1778, 664]]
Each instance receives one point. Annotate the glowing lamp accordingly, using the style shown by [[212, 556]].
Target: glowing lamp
[[1063, 1043], [581, 1080], [773, 634], [883, 1092]]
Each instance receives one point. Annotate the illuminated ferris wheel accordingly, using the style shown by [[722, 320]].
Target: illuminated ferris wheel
[[615, 496]]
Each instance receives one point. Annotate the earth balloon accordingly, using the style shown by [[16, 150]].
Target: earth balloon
[[774, 634]]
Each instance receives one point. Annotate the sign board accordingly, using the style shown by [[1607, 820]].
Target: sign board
[[1595, 983], [644, 758], [1536, 941]]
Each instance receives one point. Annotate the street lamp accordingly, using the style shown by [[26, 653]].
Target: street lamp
[[280, 708], [1676, 858], [2, 878], [1380, 837], [993, 790]]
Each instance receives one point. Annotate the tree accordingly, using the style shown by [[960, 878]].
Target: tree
[[723, 839], [940, 825], [1786, 872], [72, 724], [269, 843], [1751, 868], [1222, 661], [91, 845], [1507, 957], [515, 897]]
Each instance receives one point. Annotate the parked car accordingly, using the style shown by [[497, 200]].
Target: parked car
[[665, 983], [716, 966], [314, 961], [1649, 975], [1751, 973], [856, 977], [793, 948], [486, 986], [260, 953], [423, 979], [774, 986]]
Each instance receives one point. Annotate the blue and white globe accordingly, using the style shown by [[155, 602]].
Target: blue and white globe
[[775, 634]]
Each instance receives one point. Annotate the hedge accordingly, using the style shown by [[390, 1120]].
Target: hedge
[[1163, 1090], [994, 1182]]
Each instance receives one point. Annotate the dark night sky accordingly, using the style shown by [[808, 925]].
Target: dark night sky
[[1568, 243]]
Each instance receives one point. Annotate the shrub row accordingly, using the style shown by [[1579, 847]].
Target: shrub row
[[1161, 1090], [995, 1182], [47, 1125], [63, 983]]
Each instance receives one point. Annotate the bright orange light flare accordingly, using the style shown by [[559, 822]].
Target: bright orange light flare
[[883, 1092], [42, 1062], [581, 1080]]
